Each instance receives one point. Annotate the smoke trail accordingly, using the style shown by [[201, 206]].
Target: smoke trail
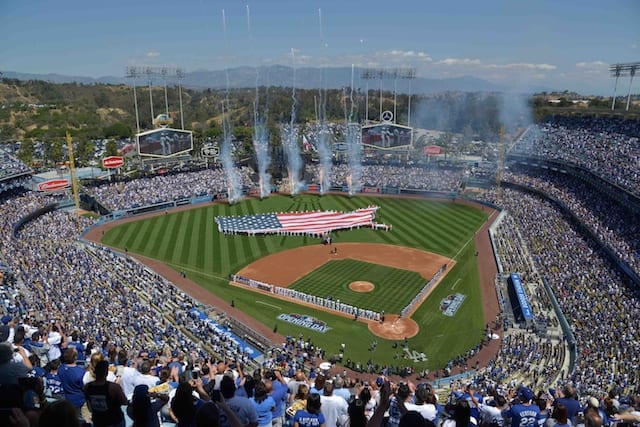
[[261, 146], [325, 158], [260, 132], [324, 150], [290, 140], [234, 183], [351, 138]]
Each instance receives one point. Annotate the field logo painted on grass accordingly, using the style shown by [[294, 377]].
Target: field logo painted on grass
[[450, 305], [305, 321], [414, 355]]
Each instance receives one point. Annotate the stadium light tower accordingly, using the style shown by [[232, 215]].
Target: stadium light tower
[[632, 72], [165, 73], [388, 73], [621, 70], [180, 76], [132, 73]]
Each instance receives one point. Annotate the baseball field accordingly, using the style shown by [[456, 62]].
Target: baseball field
[[373, 269]]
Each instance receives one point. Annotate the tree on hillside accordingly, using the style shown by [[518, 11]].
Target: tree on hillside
[[26, 151], [111, 148], [117, 130], [83, 151], [54, 152]]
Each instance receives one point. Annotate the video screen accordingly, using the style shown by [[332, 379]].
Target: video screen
[[164, 142], [386, 136]]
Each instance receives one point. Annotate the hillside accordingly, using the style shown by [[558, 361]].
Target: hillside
[[40, 110]]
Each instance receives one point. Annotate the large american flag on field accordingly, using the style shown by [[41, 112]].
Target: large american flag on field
[[315, 222]]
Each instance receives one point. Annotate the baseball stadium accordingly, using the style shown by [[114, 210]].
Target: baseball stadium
[[356, 254]]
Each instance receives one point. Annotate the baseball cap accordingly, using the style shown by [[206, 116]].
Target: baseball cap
[[594, 402], [6, 319], [525, 394]]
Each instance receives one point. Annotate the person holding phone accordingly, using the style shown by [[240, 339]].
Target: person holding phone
[[144, 407], [184, 405]]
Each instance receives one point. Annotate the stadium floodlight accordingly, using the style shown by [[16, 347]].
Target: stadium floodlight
[[622, 70], [402, 73], [134, 72]]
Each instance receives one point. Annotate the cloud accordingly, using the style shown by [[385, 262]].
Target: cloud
[[152, 54], [403, 55], [458, 61], [592, 64], [524, 66]]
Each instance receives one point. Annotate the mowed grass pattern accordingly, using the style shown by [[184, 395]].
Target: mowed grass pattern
[[333, 278], [189, 241]]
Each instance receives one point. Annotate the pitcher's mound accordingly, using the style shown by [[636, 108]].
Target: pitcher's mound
[[394, 328], [361, 286]]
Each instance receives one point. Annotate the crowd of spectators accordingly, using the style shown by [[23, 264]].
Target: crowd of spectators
[[164, 188], [11, 166], [417, 178], [616, 225], [599, 302], [610, 147]]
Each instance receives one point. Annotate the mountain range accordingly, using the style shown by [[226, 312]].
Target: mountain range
[[283, 76]]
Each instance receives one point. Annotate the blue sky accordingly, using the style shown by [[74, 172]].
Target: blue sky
[[563, 44]]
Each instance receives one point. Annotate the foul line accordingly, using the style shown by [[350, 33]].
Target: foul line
[[455, 284], [270, 305], [465, 245], [474, 235], [201, 273]]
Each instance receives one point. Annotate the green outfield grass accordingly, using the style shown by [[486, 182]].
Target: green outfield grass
[[332, 280], [189, 241]]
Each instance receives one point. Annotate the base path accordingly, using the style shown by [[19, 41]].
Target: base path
[[285, 267]]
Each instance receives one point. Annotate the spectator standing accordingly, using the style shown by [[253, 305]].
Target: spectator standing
[[568, 398], [334, 408], [278, 390], [357, 417], [424, 404], [396, 406], [299, 400], [264, 405], [311, 416], [105, 399], [9, 370], [144, 411], [71, 378], [55, 340], [558, 417], [54, 385], [461, 416], [340, 390], [240, 405], [145, 376], [523, 413], [184, 404]]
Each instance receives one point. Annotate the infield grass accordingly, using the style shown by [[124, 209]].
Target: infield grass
[[189, 241], [333, 278]]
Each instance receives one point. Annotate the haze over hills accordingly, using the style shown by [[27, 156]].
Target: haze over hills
[[305, 78]]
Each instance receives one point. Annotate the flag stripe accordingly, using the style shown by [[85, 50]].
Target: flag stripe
[[316, 222]]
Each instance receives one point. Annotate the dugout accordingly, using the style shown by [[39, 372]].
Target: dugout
[[519, 299]]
